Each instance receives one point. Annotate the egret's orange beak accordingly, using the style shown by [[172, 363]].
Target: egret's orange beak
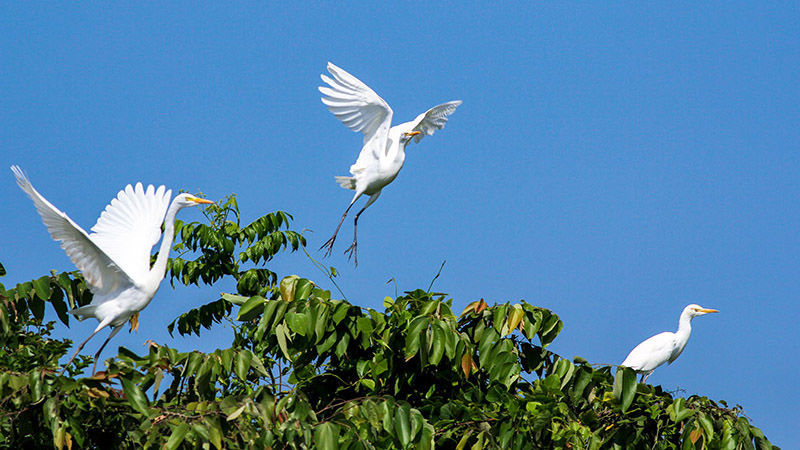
[[201, 201], [708, 310], [413, 133]]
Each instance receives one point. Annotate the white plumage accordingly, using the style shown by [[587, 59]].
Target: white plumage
[[664, 347], [115, 258], [383, 151]]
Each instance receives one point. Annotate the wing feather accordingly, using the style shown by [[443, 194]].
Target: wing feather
[[433, 119], [130, 226], [651, 353], [356, 105], [102, 273]]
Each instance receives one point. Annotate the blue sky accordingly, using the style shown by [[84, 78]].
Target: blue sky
[[613, 163]]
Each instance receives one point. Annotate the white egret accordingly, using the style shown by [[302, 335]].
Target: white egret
[[664, 347], [383, 151], [115, 257]]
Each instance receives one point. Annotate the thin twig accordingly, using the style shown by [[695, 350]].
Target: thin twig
[[324, 270], [437, 275]]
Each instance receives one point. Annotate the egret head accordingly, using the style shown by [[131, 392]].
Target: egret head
[[697, 310], [406, 136], [184, 200]]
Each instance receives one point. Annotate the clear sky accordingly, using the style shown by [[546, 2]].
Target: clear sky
[[612, 163]]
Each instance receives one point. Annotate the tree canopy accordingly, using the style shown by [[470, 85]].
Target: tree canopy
[[306, 370]]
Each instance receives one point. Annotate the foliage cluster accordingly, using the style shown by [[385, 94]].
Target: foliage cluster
[[308, 371]]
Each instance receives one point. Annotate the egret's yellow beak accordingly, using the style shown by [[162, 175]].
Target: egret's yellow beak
[[413, 133], [201, 201], [704, 310]]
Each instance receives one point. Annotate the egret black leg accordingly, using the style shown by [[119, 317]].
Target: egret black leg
[[78, 350], [329, 243], [114, 331], [352, 250]]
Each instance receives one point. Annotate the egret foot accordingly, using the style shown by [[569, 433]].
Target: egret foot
[[328, 246], [352, 253], [134, 322]]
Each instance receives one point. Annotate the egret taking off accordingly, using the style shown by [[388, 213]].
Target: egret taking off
[[115, 257], [383, 151], [664, 347]]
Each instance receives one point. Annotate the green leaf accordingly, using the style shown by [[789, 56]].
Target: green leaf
[[437, 347], [364, 325], [235, 299], [242, 363], [581, 380], [321, 324], [707, 424], [177, 436], [280, 334], [326, 436], [251, 308], [303, 289], [57, 300], [136, 397], [258, 366], [37, 307], [413, 335], [625, 387], [35, 385], [42, 287], [298, 322], [416, 422], [214, 432], [388, 422], [426, 437], [402, 424], [464, 439], [678, 412]]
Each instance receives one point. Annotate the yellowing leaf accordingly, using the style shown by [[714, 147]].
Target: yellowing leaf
[[236, 413], [59, 437], [288, 285], [470, 307], [466, 364], [514, 318], [97, 393]]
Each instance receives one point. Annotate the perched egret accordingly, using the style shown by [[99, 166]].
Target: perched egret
[[664, 347], [383, 151], [115, 257]]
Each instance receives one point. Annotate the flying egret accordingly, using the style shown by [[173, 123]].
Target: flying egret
[[115, 257], [664, 347], [383, 151]]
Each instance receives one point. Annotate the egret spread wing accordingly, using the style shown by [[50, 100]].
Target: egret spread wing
[[356, 105], [102, 273], [131, 225], [433, 119]]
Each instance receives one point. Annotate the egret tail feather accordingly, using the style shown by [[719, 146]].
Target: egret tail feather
[[347, 182], [84, 312]]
